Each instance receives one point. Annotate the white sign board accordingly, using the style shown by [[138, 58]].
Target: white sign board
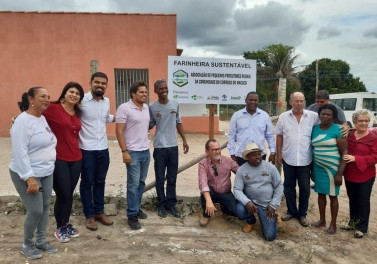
[[210, 81]]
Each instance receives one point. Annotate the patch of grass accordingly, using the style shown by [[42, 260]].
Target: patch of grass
[[21, 207], [76, 196], [151, 202]]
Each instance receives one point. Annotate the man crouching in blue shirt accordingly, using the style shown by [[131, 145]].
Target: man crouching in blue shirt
[[258, 189]]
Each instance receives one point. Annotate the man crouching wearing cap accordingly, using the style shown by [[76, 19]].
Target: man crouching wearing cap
[[258, 189]]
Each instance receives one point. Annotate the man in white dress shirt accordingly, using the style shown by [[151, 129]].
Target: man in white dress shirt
[[95, 153], [294, 151]]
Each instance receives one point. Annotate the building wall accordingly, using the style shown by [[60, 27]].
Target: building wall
[[51, 49]]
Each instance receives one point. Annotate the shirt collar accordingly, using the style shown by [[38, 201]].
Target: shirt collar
[[209, 161], [258, 111], [90, 96], [134, 106]]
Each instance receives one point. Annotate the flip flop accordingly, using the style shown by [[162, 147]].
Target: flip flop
[[358, 234], [346, 228]]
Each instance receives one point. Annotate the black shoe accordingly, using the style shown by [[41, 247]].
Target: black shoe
[[161, 212], [134, 223], [141, 215], [173, 211]]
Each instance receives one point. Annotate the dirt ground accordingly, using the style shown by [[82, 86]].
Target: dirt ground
[[172, 240]]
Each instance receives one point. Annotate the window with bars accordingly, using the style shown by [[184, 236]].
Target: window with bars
[[124, 78]]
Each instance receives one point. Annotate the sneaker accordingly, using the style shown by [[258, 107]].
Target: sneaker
[[133, 223], [73, 232], [173, 211], [203, 221], [247, 227], [62, 235], [31, 252], [161, 212], [141, 215], [46, 247]]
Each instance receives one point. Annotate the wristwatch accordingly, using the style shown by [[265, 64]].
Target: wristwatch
[[124, 150], [272, 153]]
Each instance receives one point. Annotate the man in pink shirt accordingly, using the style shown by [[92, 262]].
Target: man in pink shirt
[[132, 123], [214, 182]]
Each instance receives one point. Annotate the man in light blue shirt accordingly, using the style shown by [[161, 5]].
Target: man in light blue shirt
[[250, 124], [94, 148]]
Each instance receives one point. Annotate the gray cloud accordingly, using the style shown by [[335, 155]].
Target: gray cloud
[[218, 27], [209, 25], [371, 33], [328, 32], [245, 29], [362, 45]]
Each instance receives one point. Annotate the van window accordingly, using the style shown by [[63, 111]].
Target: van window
[[370, 104], [349, 104], [337, 102]]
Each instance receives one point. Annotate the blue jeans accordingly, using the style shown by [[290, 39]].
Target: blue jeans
[[269, 227], [226, 200], [137, 172], [95, 164], [301, 175], [166, 159]]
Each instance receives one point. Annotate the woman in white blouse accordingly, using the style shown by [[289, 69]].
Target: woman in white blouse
[[31, 168]]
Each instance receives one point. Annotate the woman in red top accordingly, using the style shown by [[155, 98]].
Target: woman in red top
[[63, 116], [360, 172]]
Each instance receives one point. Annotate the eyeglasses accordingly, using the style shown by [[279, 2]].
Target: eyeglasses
[[216, 149], [214, 167], [159, 82]]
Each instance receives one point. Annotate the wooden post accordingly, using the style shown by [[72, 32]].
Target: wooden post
[[211, 119], [93, 66]]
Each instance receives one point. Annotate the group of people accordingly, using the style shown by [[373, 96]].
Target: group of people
[[315, 145], [54, 143]]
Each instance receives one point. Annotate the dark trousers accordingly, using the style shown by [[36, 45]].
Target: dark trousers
[[166, 160], [226, 201], [66, 176], [359, 202], [95, 164], [300, 175], [240, 161]]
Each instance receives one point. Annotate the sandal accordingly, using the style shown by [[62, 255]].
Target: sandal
[[346, 228], [358, 234]]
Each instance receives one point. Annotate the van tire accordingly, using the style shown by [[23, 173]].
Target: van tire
[[349, 124]]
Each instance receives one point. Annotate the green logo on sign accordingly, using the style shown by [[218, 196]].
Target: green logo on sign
[[180, 78]]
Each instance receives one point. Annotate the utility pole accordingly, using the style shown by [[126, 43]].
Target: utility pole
[[317, 77]]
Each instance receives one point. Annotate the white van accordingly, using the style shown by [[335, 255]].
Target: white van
[[352, 102]]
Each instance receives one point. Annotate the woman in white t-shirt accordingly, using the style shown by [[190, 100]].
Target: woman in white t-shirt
[[31, 168]]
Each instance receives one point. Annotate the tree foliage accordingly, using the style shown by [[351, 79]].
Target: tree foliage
[[334, 76], [273, 62]]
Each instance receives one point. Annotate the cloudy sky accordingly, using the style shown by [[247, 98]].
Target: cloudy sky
[[335, 29]]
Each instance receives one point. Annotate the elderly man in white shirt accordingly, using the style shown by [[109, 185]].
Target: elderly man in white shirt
[[294, 151]]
